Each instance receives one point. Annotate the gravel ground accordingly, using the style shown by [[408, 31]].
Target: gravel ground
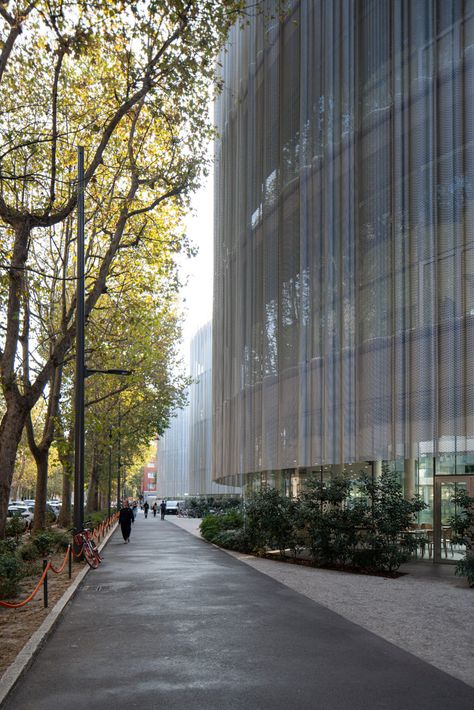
[[428, 611]]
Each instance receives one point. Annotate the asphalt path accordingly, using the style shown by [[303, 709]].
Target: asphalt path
[[169, 621]]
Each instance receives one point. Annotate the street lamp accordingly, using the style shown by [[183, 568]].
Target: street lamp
[[81, 370]]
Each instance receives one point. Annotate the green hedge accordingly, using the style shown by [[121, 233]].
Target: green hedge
[[340, 523]]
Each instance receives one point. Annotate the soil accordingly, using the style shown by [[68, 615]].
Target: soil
[[394, 574], [18, 625]]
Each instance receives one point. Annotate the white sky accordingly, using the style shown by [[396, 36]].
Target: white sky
[[197, 295]]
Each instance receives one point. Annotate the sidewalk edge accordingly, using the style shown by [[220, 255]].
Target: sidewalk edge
[[32, 646]]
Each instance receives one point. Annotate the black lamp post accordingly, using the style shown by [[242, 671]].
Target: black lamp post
[[109, 493], [81, 370], [79, 383]]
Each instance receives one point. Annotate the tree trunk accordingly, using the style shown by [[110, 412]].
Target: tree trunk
[[11, 429], [65, 456], [64, 520], [41, 457]]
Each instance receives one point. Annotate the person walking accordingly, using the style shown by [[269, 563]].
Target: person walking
[[154, 509], [146, 508], [163, 509], [126, 520]]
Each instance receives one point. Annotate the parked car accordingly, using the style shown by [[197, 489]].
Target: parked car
[[51, 514], [55, 506], [171, 507], [20, 511]]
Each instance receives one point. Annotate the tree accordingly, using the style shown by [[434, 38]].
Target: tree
[[112, 75]]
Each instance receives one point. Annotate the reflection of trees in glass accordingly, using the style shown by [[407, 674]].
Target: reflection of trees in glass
[[270, 343]]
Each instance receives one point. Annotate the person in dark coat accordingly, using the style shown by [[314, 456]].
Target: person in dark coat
[[146, 508], [163, 509], [126, 519], [154, 508]]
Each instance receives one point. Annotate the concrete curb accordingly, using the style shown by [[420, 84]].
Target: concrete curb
[[13, 673]]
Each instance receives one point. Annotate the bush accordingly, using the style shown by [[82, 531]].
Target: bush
[[334, 525], [96, 518], [11, 572], [15, 527], [236, 539], [463, 527], [212, 525], [269, 521], [44, 543], [8, 546], [364, 531], [388, 515], [342, 523], [28, 552], [465, 568]]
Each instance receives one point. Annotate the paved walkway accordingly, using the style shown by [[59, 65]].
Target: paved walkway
[[169, 621], [428, 611]]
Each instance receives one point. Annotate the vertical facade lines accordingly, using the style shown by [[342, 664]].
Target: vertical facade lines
[[344, 256]]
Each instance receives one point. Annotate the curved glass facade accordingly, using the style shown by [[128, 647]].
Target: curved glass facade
[[344, 262]]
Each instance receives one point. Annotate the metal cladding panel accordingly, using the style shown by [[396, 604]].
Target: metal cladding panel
[[185, 450], [344, 290], [172, 458], [199, 442]]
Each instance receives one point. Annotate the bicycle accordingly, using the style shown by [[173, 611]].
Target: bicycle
[[83, 540]]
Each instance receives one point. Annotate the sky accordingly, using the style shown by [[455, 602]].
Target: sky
[[196, 297]]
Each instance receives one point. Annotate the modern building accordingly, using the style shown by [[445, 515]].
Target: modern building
[[149, 474], [344, 257], [172, 458], [184, 451]]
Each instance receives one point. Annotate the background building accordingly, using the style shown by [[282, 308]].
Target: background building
[[184, 451], [149, 474], [172, 458], [344, 258]]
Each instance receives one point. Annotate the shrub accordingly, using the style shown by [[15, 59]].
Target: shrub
[[8, 546], [269, 521], [389, 514], [364, 531], [332, 523], [43, 544], [11, 572], [465, 568], [96, 518], [15, 527], [212, 525], [236, 539], [463, 527], [28, 552]]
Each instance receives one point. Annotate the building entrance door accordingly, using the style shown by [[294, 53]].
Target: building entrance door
[[445, 547]]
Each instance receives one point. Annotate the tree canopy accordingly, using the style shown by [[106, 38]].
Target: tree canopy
[[129, 81]]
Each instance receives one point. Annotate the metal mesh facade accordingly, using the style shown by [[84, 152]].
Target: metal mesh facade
[[200, 417], [172, 458], [184, 451], [344, 257]]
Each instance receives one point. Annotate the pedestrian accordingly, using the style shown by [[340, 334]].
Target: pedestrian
[[134, 509], [163, 509], [126, 520], [145, 508], [154, 509]]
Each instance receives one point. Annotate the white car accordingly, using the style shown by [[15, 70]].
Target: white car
[[20, 511], [171, 507]]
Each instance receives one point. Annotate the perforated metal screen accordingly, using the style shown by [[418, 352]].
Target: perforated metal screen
[[344, 257]]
